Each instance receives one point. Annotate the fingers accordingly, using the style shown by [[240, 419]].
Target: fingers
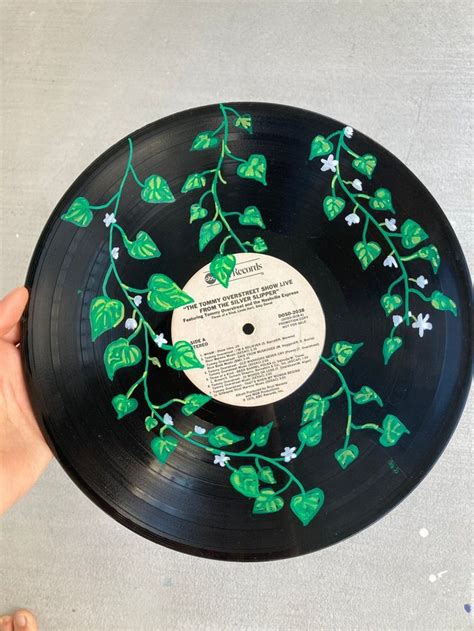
[[23, 620], [11, 309], [6, 623]]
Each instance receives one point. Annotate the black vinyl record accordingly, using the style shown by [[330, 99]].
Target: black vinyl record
[[249, 334]]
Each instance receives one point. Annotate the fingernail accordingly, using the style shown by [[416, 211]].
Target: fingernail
[[20, 620]]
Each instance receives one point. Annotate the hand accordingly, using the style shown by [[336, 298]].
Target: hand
[[24, 453]]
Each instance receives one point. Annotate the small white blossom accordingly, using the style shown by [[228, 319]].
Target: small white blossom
[[199, 430], [348, 132], [390, 261], [329, 164], [288, 454], [160, 340], [137, 300], [109, 219], [421, 323], [168, 419], [352, 218], [357, 184], [391, 224], [221, 459], [115, 253], [421, 281], [397, 319], [131, 324]]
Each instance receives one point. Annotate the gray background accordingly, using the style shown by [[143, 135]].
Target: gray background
[[77, 76]]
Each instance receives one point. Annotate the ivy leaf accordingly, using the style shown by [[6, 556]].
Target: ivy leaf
[[244, 121], [365, 164], [267, 502], [260, 435], [266, 475], [193, 402], [382, 200], [314, 408], [220, 436], [164, 294], [124, 405], [346, 455], [79, 213], [221, 267], [307, 505], [182, 357], [367, 252], [163, 447], [393, 430], [209, 230], [259, 245], [366, 395], [251, 217], [431, 254], [120, 354], [245, 481], [412, 234], [196, 212], [343, 351], [104, 314], [311, 433], [156, 190], [320, 147], [333, 206], [390, 302], [143, 247], [204, 140], [254, 168], [390, 346], [443, 303], [193, 181], [150, 423]]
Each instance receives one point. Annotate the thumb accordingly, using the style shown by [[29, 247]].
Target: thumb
[[11, 309]]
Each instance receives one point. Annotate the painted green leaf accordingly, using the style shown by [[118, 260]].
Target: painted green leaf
[[193, 402], [367, 252], [143, 247], [163, 447], [164, 294], [204, 140], [313, 408], [365, 164], [333, 206], [123, 405], [150, 423], [307, 505], [343, 351], [120, 354], [431, 254], [259, 245], [79, 213], [209, 230], [197, 212], [266, 475], [320, 147], [244, 121], [260, 435], [393, 430], [311, 433], [443, 303], [251, 217], [104, 314], [346, 455], [245, 481], [391, 302], [412, 234], [182, 357], [155, 361], [366, 395], [220, 436], [382, 200], [267, 502], [221, 267], [390, 346], [193, 181], [254, 168], [156, 190]]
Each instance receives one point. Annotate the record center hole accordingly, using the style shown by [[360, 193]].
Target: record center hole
[[248, 328]]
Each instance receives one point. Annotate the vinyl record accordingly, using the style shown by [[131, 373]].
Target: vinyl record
[[248, 335]]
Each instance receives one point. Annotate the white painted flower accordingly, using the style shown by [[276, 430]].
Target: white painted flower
[[137, 300], [391, 224], [109, 219], [199, 430], [221, 459], [421, 323], [168, 419], [348, 132], [352, 218], [131, 324], [160, 340], [357, 184], [329, 164], [288, 454], [390, 261], [115, 253], [421, 281], [397, 319]]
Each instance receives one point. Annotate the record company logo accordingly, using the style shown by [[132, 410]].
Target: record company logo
[[249, 268]]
